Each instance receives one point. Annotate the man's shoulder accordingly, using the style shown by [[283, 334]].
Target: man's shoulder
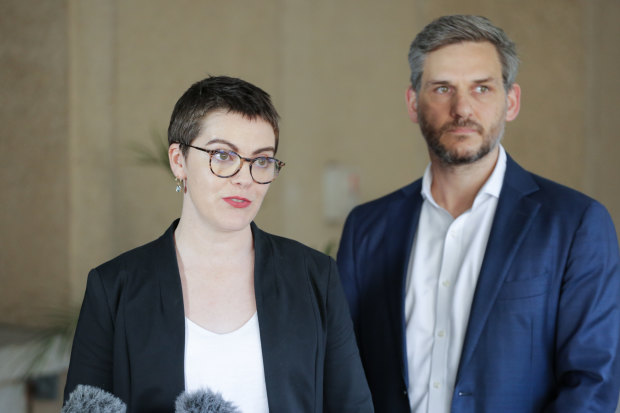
[[545, 189], [556, 190], [407, 194], [554, 198]]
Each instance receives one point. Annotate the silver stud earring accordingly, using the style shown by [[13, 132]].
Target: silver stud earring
[[178, 182]]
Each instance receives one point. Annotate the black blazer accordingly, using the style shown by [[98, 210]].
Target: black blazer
[[130, 337]]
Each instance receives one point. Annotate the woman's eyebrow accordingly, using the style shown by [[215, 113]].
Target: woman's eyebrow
[[225, 142], [265, 149], [236, 149]]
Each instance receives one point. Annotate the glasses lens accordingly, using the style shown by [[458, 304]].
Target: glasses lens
[[264, 169], [224, 163]]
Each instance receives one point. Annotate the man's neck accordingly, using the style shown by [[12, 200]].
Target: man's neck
[[454, 188]]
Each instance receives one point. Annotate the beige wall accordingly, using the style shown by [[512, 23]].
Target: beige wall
[[85, 79], [601, 143], [35, 216]]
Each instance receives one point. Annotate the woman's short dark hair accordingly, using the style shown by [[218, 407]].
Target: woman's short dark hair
[[218, 93]]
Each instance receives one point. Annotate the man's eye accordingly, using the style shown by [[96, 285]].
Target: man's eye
[[442, 89], [482, 89]]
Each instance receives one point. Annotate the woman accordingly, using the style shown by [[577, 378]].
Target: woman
[[215, 302]]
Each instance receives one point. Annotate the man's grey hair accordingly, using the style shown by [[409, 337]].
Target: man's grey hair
[[449, 30]]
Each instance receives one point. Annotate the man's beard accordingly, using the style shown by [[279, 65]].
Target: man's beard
[[433, 136]]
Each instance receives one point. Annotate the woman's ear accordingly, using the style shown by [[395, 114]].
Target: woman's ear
[[177, 161]]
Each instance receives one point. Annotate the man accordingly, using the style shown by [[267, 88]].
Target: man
[[481, 287]]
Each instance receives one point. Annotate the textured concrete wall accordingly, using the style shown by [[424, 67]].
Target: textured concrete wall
[[34, 218], [601, 143]]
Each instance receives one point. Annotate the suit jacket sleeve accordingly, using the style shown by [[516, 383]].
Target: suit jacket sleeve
[[588, 328], [91, 355], [346, 265]]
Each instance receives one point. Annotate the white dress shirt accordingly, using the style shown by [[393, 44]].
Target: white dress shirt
[[444, 264], [230, 364]]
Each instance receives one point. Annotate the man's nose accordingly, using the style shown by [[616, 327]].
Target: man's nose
[[461, 105]]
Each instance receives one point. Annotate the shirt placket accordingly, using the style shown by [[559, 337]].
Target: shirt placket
[[450, 263]]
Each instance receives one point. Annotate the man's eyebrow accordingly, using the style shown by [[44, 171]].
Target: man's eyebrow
[[485, 80], [437, 82], [446, 82]]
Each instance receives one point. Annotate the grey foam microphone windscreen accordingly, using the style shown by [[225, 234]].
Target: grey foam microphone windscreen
[[204, 401], [90, 399]]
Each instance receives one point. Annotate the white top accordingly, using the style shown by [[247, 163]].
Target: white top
[[446, 257], [231, 364]]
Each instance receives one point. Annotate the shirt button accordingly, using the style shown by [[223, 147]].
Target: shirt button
[[436, 384], [441, 333], [446, 283]]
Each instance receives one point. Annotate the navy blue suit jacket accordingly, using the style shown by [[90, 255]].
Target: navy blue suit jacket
[[130, 338], [544, 328]]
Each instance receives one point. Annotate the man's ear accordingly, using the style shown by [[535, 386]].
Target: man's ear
[[514, 102], [412, 104], [177, 161]]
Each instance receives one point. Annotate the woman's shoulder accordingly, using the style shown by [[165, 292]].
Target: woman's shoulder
[[290, 260], [144, 259], [287, 247]]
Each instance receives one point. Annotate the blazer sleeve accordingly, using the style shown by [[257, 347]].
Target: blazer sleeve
[[92, 351], [345, 386], [346, 266], [588, 330]]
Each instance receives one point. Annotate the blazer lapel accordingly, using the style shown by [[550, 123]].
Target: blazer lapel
[[512, 221], [402, 222], [173, 314], [156, 319], [272, 338]]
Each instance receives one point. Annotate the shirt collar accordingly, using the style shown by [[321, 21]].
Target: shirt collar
[[491, 187]]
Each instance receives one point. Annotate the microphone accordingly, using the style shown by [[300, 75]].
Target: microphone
[[90, 399], [203, 401]]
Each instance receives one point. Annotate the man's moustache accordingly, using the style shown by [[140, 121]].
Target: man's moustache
[[462, 124]]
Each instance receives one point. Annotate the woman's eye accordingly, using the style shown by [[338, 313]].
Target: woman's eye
[[261, 162], [222, 156]]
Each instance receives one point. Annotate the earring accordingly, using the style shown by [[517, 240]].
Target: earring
[[178, 182]]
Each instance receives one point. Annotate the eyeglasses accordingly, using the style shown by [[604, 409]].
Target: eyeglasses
[[226, 163]]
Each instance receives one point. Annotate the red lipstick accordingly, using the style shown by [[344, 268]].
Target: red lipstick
[[238, 202]]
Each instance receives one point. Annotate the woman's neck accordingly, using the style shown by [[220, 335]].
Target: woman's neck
[[195, 239]]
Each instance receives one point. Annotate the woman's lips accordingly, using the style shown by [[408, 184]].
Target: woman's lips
[[237, 202]]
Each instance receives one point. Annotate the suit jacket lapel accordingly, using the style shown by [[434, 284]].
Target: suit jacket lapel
[[401, 224], [512, 220]]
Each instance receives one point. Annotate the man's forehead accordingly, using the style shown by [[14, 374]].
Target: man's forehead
[[471, 60]]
